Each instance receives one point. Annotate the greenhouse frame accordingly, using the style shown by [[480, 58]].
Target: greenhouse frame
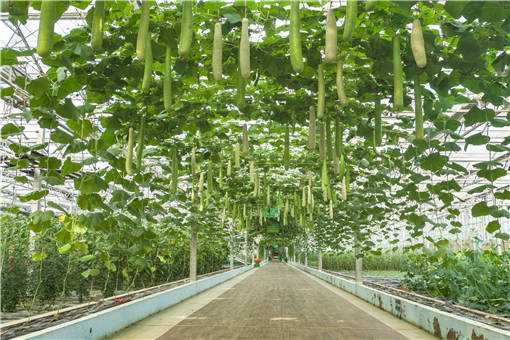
[[195, 169]]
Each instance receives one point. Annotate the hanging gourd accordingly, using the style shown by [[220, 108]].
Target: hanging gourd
[[46, 27], [147, 73], [331, 38], [321, 92], [418, 110], [325, 180], [129, 157], [186, 36], [167, 80], [369, 5], [311, 129], [246, 148], [241, 91], [296, 53], [193, 161], [143, 30], [351, 14], [286, 151], [378, 123], [329, 141], [418, 45], [340, 87], [97, 25], [237, 156], [398, 85], [140, 144], [322, 141], [244, 49], [175, 171], [217, 56]]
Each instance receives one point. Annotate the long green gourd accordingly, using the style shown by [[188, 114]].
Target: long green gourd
[[286, 152], [167, 80], [378, 124], [369, 5], [296, 53], [321, 92], [418, 110], [350, 19], [246, 147], [241, 91], [398, 82], [418, 44], [329, 141], [217, 56], [46, 27], [97, 25], [312, 128], [331, 38], [147, 73], [186, 37], [244, 49], [143, 30], [322, 141], [129, 158], [340, 87], [140, 144]]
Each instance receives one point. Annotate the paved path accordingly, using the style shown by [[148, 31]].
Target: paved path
[[280, 302]]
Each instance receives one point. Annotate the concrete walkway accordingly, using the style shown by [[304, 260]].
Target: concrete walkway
[[273, 302]]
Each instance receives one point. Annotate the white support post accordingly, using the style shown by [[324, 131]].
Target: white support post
[[193, 255], [246, 255], [359, 266]]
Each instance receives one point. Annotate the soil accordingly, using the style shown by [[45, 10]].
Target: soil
[[32, 323], [394, 286]]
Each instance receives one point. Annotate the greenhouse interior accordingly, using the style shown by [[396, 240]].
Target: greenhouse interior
[[333, 169]]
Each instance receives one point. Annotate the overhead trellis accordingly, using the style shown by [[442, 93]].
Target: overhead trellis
[[240, 107]]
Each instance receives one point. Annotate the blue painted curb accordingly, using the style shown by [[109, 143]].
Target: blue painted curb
[[109, 321]]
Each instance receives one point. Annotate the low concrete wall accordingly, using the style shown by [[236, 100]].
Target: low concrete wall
[[109, 321], [441, 324]]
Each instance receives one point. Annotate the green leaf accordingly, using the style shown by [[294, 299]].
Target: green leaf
[[480, 209], [475, 115], [90, 272], [70, 167], [86, 258], [8, 56], [39, 256], [492, 174], [6, 92], [89, 202], [477, 139], [434, 162], [502, 236], [10, 129], [40, 220], [65, 248], [33, 196], [89, 183], [49, 163], [442, 243], [81, 128], [493, 226], [39, 86], [61, 137], [503, 195]]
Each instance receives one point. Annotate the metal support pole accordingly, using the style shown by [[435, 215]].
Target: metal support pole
[[193, 255]]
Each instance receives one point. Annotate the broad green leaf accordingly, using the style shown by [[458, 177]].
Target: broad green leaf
[[492, 226], [10, 129], [434, 162], [70, 167], [480, 209], [33, 196]]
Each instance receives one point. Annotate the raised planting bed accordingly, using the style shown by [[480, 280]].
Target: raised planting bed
[[54, 318], [435, 316]]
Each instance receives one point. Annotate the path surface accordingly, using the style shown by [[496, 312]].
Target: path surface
[[278, 302]]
